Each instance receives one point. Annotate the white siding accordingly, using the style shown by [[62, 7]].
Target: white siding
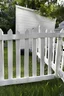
[[27, 19]]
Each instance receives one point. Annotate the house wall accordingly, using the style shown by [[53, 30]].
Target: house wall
[[27, 19]]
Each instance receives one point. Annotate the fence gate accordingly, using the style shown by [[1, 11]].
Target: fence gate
[[16, 68]]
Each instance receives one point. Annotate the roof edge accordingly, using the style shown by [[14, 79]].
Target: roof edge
[[24, 8]]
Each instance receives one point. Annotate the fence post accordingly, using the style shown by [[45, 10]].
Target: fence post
[[34, 65], [62, 65], [42, 56], [10, 55], [62, 51], [54, 46], [38, 43], [58, 55], [18, 57], [46, 45], [1, 56], [41, 52], [26, 55], [49, 54]]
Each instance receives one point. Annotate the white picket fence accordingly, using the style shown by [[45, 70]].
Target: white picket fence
[[52, 57]]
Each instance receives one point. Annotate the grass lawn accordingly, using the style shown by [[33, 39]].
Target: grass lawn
[[44, 88]]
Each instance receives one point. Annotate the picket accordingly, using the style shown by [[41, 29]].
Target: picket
[[1, 57], [41, 52], [49, 54], [10, 55], [46, 45], [42, 56], [18, 66], [62, 65], [58, 55], [53, 58], [26, 56], [34, 66]]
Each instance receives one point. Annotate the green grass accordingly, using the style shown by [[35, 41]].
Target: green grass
[[45, 88], [53, 87]]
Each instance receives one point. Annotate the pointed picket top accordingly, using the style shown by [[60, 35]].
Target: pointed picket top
[[10, 32], [39, 28], [17, 32], [46, 31], [62, 31], [18, 35], [27, 31], [34, 30], [1, 33]]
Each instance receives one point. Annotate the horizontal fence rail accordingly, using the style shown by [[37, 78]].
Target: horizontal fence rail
[[45, 62], [30, 35]]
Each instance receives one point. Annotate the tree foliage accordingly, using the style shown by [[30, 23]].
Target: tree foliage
[[53, 11], [7, 17], [7, 14]]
